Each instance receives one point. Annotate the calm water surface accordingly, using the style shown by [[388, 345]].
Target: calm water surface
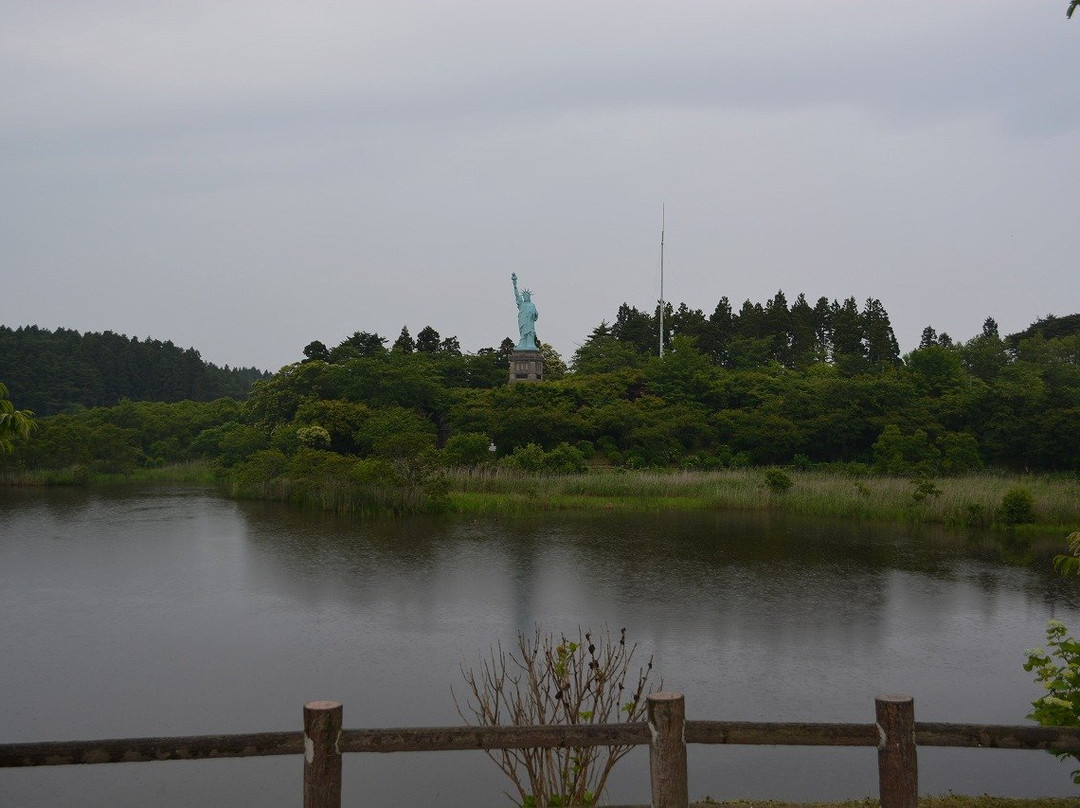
[[171, 611]]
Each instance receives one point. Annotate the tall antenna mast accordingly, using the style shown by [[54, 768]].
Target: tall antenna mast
[[663, 217]]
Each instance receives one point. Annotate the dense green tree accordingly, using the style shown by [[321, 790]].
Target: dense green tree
[[637, 329], [720, 328], [404, 344], [603, 352], [466, 449], [360, 344], [985, 356], [776, 324], [807, 344], [55, 371], [880, 341], [316, 351], [554, 366], [427, 340], [450, 346], [846, 327]]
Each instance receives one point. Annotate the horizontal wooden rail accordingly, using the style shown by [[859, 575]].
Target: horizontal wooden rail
[[141, 750], [442, 739], [998, 736], [781, 734]]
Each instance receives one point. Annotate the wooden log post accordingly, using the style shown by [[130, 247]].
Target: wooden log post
[[898, 770], [667, 750], [322, 758]]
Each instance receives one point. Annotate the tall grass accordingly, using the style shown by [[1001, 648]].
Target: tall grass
[[969, 500], [340, 495], [195, 472]]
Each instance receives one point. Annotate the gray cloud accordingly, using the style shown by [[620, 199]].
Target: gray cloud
[[246, 177]]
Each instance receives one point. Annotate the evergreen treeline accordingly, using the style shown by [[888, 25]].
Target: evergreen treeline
[[793, 336], [770, 384], [55, 371]]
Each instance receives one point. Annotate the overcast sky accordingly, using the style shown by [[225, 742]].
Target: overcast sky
[[246, 177]]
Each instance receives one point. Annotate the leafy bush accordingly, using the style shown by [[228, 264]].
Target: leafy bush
[[1069, 564], [565, 459], [466, 449], [801, 462], [313, 437], [924, 489], [973, 515], [1017, 507], [777, 481], [1059, 673], [529, 457]]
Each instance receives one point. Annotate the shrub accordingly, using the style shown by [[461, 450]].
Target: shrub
[[467, 449], [1059, 673], [973, 515], [557, 681], [313, 437], [565, 459], [924, 489], [777, 481], [1017, 507], [529, 457]]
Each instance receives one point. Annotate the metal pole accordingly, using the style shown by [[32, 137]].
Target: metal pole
[[663, 217]]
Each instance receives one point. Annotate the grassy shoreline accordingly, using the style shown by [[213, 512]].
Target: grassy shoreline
[[969, 501]]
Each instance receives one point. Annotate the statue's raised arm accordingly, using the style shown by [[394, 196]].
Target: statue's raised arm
[[527, 317]]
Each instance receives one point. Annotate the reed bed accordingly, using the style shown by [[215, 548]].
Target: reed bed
[[971, 500]]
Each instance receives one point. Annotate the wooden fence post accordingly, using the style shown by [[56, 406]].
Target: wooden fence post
[[667, 750], [898, 769], [322, 760]]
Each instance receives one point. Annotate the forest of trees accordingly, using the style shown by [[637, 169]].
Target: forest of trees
[[772, 384], [49, 372]]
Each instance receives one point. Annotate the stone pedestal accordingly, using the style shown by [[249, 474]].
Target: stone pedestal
[[526, 366]]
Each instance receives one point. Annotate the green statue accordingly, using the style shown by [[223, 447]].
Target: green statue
[[526, 318]]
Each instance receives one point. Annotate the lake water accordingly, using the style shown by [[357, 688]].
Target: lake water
[[172, 611]]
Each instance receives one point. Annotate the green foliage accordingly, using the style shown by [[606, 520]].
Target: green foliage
[[529, 457], [899, 454], [923, 490], [58, 371], [565, 459], [1069, 564], [778, 481], [1017, 507], [975, 516], [313, 437], [1058, 671], [467, 449], [13, 422]]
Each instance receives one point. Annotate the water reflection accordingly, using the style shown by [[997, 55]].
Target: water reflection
[[172, 611]]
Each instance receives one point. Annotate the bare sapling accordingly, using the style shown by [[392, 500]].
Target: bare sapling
[[550, 680]]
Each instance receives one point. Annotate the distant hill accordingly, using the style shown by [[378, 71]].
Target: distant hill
[[54, 371]]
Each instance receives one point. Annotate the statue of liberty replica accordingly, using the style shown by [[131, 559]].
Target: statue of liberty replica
[[526, 362]]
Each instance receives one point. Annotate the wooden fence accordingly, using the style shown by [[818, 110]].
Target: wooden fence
[[895, 733]]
